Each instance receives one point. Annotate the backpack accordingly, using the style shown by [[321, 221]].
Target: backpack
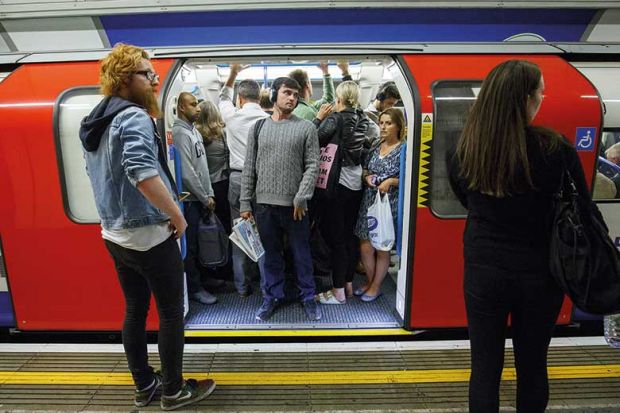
[[583, 259], [212, 241]]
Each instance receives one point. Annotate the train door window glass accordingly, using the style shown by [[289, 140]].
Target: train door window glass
[[452, 100], [71, 107], [607, 179]]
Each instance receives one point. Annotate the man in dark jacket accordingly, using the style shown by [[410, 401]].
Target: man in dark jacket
[[140, 221]]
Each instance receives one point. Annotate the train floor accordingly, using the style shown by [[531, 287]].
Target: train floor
[[423, 376], [235, 312]]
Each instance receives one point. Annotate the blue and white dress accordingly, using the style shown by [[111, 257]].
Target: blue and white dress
[[384, 167]]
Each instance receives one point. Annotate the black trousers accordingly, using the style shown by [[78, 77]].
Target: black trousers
[[338, 218], [533, 301], [192, 211], [158, 271]]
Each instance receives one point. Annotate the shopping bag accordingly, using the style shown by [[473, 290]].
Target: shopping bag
[[380, 223]]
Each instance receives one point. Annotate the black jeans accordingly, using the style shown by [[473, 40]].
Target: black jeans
[[273, 222], [337, 224], [160, 271], [533, 301]]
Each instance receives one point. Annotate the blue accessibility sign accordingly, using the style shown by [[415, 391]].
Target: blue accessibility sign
[[584, 139]]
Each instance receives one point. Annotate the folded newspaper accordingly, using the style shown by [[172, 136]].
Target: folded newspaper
[[245, 236]]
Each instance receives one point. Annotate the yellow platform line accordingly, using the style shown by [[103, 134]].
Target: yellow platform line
[[301, 333], [303, 378]]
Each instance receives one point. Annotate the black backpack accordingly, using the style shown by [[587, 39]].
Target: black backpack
[[583, 259], [212, 241]]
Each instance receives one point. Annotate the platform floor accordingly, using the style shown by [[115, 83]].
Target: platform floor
[[311, 377]]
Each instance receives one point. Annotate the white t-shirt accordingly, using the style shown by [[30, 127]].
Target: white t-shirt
[[351, 177], [139, 239]]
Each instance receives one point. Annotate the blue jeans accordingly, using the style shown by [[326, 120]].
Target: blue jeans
[[243, 267], [273, 222], [533, 301], [158, 271]]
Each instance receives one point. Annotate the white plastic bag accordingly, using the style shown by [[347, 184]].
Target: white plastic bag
[[380, 223]]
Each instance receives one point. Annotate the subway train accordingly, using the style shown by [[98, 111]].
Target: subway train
[[56, 274]]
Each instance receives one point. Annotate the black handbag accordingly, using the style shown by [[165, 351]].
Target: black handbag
[[583, 259], [212, 241]]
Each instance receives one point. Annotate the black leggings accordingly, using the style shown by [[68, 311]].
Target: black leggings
[[533, 301], [337, 224]]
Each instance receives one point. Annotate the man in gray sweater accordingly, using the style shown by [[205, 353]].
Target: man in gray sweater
[[196, 181], [280, 170]]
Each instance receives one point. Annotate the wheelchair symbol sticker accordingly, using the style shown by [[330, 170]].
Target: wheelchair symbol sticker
[[584, 139]]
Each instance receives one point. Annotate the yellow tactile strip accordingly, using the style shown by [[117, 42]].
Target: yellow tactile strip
[[304, 377]]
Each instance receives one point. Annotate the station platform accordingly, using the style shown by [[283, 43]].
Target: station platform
[[422, 376]]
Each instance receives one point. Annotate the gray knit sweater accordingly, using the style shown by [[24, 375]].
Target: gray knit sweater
[[283, 169]]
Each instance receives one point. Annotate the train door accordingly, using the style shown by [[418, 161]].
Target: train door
[[448, 86], [60, 276], [204, 78]]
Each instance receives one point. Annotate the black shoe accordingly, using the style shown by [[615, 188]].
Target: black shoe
[[143, 397], [245, 293], [192, 391], [312, 308], [266, 310]]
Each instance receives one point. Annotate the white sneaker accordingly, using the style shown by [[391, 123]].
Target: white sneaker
[[203, 297]]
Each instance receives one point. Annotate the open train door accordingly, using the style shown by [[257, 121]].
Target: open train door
[[448, 86]]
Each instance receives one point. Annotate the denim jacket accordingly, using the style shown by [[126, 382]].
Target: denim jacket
[[121, 149]]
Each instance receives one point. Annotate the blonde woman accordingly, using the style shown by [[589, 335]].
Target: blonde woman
[[211, 127], [380, 173], [347, 127]]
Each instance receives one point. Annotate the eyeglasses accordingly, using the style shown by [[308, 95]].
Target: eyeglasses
[[150, 76]]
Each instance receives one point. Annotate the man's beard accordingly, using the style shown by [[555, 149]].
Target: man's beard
[[147, 99]]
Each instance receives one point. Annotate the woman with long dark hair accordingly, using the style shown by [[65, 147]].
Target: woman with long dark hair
[[505, 171]]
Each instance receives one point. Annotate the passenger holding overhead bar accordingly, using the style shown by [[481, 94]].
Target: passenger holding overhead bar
[[345, 129], [310, 110], [239, 120]]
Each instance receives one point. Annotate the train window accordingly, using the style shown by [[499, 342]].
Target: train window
[[607, 180], [452, 100], [71, 107]]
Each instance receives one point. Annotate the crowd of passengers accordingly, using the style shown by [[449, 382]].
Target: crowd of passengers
[[258, 158]]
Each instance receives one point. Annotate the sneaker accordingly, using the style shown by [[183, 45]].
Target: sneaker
[[143, 397], [313, 311], [266, 310], [192, 391], [203, 297]]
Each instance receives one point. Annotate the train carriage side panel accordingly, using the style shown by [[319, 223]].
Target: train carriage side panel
[[571, 104], [60, 275]]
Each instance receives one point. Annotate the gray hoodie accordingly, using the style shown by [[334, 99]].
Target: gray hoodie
[[194, 168]]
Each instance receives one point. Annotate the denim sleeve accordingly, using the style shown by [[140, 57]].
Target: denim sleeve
[[139, 149]]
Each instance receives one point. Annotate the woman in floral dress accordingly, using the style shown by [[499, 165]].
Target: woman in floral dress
[[382, 173]]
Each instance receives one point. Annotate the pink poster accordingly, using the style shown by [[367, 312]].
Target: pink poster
[[326, 160]]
